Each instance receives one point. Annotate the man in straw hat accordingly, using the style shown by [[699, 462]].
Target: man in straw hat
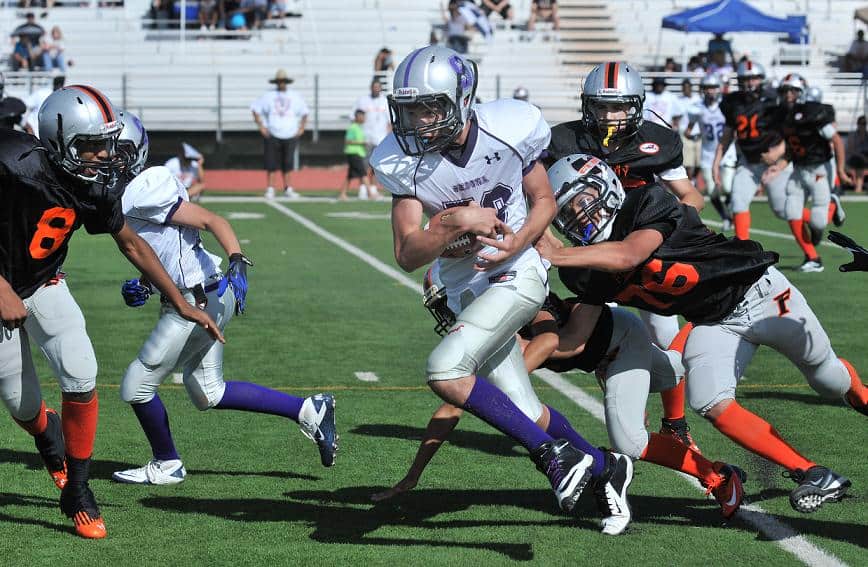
[[281, 116]]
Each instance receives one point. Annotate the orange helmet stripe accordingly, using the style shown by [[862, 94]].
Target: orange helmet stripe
[[103, 104]]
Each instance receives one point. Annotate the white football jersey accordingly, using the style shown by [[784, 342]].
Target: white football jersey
[[149, 201], [506, 138], [711, 122]]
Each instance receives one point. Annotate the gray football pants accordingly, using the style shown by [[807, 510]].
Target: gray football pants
[[814, 181], [773, 313]]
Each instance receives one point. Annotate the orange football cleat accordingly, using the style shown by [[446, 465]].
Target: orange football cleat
[[88, 527], [78, 503], [729, 492]]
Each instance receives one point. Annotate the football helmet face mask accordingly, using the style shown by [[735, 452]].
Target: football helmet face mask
[[612, 98], [432, 94], [133, 143], [79, 128], [588, 196], [710, 86], [750, 76], [435, 300]]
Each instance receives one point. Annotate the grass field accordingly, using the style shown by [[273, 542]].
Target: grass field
[[256, 493]]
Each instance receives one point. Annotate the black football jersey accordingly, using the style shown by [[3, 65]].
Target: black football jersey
[[801, 130], [755, 122], [41, 208], [696, 273], [653, 150]]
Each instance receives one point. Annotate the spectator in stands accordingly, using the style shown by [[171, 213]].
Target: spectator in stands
[[53, 57], [457, 29], [208, 14], [661, 106], [159, 13], [281, 116], [691, 141], [719, 43], [189, 167], [30, 29], [255, 11], [383, 63], [501, 7], [696, 65], [357, 167], [670, 66], [24, 55], [856, 58], [376, 126], [719, 65], [857, 154], [34, 103], [544, 11]]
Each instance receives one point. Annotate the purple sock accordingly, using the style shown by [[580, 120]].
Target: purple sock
[[560, 428], [492, 406], [247, 396], [155, 423]]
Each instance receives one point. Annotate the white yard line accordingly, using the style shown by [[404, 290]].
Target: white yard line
[[367, 376], [770, 233], [782, 535]]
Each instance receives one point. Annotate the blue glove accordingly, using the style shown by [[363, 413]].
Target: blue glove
[[236, 276], [134, 293]]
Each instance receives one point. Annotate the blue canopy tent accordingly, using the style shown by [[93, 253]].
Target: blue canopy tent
[[725, 16]]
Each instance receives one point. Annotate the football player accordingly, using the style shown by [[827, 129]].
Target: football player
[[751, 121], [11, 109], [710, 119], [565, 336], [157, 207], [646, 250], [50, 188], [470, 169], [809, 131], [639, 152]]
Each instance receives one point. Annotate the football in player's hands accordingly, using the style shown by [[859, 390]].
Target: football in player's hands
[[463, 246]]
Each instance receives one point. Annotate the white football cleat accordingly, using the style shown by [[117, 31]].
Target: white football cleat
[[269, 193], [155, 472], [610, 491], [290, 192], [317, 421]]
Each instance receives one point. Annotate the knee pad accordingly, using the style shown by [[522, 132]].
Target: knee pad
[[137, 385], [830, 378], [702, 395], [75, 361], [202, 398], [627, 433]]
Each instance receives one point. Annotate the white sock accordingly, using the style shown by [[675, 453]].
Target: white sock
[[363, 192]]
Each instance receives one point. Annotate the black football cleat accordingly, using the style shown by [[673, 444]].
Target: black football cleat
[[817, 485], [680, 431], [567, 468], [52, 449], [610, 492]]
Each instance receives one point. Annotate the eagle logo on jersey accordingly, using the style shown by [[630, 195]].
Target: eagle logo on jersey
[[649, 148]]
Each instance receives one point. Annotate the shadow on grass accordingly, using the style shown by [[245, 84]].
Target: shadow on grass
[[809, 398], [50, 505], [491, 443]]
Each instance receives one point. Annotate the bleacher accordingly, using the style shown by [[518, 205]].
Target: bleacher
[[206, 80]]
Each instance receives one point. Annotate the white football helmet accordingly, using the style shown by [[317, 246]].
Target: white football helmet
[[133, 143], [588, 195], [434, 81], [435, 300], [814, 94], [795, 82], [613, 83], [521, 93], [710, 87], [747, 70], [80, 119]]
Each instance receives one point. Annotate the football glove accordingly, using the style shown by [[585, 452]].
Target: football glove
[[134, 293], [236, 276], [860, 254]]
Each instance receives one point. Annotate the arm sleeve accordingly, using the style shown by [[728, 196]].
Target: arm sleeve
[[154, 197]]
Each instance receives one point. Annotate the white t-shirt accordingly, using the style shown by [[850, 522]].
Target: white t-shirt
[[149, 201], [34, 103], [281, 112], [187, 175], [506, 138], [685, 103], [376, 124], [664, 104]]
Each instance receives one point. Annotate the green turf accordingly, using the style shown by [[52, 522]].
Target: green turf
[[256, 492]]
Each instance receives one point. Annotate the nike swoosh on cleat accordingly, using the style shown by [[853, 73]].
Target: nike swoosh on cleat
[[732, 499]]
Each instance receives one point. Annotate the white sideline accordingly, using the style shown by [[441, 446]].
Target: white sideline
[[782, 535]]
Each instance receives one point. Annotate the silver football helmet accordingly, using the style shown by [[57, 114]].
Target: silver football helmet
[[608, 85], [710, 86], [432, 93], [521, 93], [814, 94], [79, 127], [435, 300], [133, 143], [588, 196], [793, 81], [747, 70]]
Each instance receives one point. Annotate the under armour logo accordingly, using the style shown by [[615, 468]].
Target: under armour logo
[[495, 157]]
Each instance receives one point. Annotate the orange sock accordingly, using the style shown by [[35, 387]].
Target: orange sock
[[757, 435], [38, 424], [742, 225], [831, 214], [681, 338], [858, 391], [79, 427], [673, 401], [796, 227], [668, 452]]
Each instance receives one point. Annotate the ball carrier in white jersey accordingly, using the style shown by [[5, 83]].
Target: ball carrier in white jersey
[[470, 170], [157, 207]]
